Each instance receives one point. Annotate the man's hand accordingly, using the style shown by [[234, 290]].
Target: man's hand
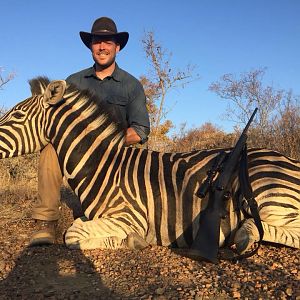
[[131, 137]]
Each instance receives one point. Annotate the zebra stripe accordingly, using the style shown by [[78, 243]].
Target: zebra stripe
[[133, 197]]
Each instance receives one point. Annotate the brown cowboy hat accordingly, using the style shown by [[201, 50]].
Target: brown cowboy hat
[[105, 27]]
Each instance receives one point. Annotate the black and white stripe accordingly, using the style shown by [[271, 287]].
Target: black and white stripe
[[150, 196]]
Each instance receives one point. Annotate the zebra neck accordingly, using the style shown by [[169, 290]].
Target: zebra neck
[[83, 137], [82, 153]]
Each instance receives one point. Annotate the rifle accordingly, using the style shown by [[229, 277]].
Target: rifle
[[206, 243]]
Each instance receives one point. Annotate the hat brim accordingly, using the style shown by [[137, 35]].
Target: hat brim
[[120, 37]]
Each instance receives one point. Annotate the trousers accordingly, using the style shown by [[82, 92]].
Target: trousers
[[50, 180]]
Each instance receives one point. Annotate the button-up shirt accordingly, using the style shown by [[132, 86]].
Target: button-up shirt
[[123, 92]]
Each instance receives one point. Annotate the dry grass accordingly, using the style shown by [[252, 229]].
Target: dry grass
[[18, 193], [18, 188]]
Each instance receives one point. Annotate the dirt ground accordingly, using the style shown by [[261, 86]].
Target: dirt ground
[[55, 272]]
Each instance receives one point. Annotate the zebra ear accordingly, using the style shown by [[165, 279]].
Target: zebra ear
[[54, 92]]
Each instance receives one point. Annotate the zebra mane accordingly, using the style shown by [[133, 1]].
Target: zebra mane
[[96, 105], [38, 85], [83, 98]]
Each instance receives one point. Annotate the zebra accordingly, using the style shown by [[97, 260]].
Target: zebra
[[133, 197]]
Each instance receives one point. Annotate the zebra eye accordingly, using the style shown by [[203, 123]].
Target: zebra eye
[[18, 115]]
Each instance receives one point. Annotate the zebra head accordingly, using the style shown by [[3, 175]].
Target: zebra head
[[60, 114], [23, 128]]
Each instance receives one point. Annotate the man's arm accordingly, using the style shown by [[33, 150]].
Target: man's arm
[[138, 117]]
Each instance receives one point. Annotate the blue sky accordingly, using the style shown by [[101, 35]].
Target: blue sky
[[219, 36]]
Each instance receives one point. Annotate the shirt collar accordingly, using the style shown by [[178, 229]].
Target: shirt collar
[[116, 75]]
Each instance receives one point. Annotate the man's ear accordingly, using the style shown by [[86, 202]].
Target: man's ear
[[118, 48], [54, 92]]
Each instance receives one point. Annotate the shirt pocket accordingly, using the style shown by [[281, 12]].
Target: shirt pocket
[[117, 100], [118, 107]]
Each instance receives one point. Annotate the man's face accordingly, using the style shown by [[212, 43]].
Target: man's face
[[104, 51]]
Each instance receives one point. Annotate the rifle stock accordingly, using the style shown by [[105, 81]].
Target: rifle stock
[[206, 243]]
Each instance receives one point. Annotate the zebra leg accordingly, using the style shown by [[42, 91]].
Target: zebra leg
[[285, 235], [102, 233]]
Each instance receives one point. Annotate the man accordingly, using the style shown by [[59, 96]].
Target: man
[[120, 90]]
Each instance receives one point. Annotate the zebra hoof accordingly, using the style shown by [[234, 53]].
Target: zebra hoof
[[243, 241], [134, 241]]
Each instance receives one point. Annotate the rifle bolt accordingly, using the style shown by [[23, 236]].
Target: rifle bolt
[[224, 214], [227, 195]]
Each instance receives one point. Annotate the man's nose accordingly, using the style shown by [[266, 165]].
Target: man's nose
[[101, 44]]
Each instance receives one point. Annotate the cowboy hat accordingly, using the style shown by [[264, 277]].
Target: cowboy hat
[[105, 27]]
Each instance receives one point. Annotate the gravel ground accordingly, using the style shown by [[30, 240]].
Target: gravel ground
[[55, 272]]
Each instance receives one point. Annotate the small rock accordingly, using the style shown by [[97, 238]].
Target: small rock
[[281, 295], [236, 294], [260, 251], [251, 288], [289, 291], [160, 291], [236, 286]]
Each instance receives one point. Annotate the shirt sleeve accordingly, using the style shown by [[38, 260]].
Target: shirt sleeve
[[137, 114]]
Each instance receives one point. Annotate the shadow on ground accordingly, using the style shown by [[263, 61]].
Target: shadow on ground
[[53, 271]]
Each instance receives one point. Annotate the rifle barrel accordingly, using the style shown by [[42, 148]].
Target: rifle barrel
[[206, 242]]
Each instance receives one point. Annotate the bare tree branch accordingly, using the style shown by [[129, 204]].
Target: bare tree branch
[[162, 78], [277, 125], [5, 80]]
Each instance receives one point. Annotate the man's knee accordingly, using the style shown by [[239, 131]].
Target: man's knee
[[49, 168]]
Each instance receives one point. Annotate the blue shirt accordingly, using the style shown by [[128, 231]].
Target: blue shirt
[[123, 92]]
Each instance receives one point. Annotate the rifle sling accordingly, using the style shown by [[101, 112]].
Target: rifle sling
[[247, 192]]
